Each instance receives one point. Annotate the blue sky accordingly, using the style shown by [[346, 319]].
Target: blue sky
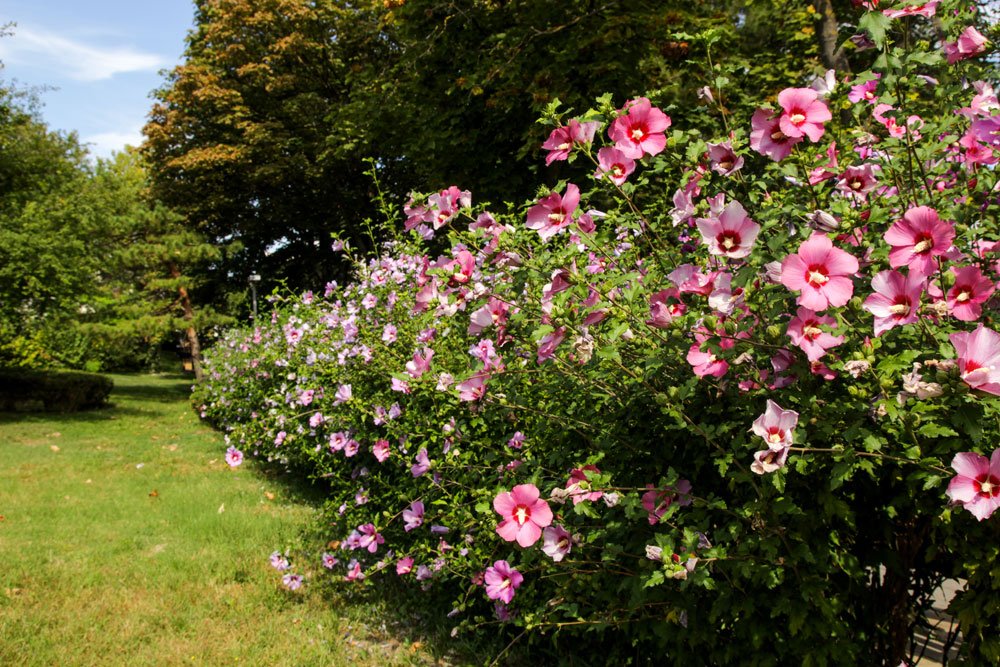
[[98, 59]]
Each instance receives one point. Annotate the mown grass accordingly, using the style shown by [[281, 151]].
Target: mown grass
[[125, 539]]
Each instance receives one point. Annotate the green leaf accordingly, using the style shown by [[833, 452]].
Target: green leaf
[[934, 430], [875, 24]]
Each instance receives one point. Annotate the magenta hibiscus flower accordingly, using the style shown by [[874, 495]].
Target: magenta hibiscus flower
[[554, 213], [501, 581], [640, 131], [561, 140], [917, 239], [966, 296]]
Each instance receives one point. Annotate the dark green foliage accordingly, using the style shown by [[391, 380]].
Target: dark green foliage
[[24, 390]]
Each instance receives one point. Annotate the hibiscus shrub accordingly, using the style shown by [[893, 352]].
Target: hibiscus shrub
[[731, 398]]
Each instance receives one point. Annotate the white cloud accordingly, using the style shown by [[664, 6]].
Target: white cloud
[[75, 59], [103, 144]]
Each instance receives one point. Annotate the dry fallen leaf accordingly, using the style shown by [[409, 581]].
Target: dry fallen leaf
[[269, 495], [154, 494], [12, 592], [335, 544], [172, 448], [57, 434], [89, 481], [2, 517], [222, 508], [54, 448]]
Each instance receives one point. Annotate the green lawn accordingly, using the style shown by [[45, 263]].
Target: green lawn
[[125, 539]]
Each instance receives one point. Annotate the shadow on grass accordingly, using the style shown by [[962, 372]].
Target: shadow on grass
[[173, 388], [295, 484]]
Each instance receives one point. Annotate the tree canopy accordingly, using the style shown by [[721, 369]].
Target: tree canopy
[[261, 135]]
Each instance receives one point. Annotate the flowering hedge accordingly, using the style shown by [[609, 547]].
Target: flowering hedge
[[732, 396]]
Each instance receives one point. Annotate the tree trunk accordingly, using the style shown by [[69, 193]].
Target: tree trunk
[[833, 57], [191, 333]]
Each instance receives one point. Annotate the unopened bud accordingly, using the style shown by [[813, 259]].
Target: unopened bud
[[822, 221]]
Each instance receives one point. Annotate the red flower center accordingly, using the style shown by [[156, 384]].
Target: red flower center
[[923, 243], [521, 514], [811, 330], [728, 240], [988, 486], [901, 307], [816, 276], [797, 118]]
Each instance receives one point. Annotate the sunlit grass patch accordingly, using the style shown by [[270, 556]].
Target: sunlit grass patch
[[126, 539]]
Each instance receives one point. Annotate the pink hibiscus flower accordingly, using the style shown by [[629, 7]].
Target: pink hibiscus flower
[[821, 273], [474, 388], [501, 581], [803, 113], [579, 486], [767, 138], [769, 460], [556, 542], [641, 131], [706, 363], [724, 159], [421, 362], [865, 91], [664, 306], [614, 164], [413, 516], [895, 301], [977, 484], [561, 141], [968, 45], [804, 330], [381, 450], [524, 514], [732, 234], [917, 239], [234, 457], [370, 537], [658, 501], [857, 181], [967, 295], [979, 358], [548, 344], [554, 213], [776, 426]]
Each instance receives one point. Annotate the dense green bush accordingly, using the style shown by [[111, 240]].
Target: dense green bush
[[24, 390], [739, 378]]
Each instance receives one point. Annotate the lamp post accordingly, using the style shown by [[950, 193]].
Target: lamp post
[[254, 279]]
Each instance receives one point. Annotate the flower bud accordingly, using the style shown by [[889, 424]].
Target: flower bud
[[822, 221]]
